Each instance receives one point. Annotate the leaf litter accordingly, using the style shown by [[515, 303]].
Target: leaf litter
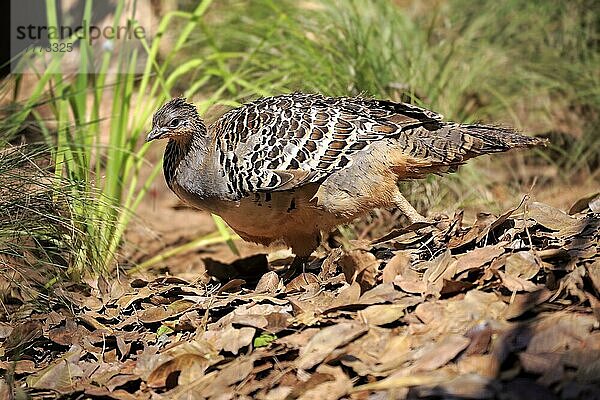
[[507, 307]]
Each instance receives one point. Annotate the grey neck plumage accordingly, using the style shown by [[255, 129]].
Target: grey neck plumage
[[188, 165]]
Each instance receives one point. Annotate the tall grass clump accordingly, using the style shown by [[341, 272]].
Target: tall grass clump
[[39, 238], [352, 48], [104, 166]]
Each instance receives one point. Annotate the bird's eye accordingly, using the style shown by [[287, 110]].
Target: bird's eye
[[174, 122]]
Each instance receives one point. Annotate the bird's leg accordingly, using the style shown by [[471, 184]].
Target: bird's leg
[[407, 209], [303, 244], [297, 263]]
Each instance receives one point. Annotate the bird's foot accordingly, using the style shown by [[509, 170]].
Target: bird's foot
[[297, 265]]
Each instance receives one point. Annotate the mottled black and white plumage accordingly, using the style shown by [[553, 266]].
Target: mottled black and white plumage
[[289, 166]]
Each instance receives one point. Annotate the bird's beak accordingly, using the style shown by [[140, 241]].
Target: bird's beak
[[153, 134]]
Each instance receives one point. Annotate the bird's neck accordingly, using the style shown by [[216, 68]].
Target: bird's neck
[[177, 152]]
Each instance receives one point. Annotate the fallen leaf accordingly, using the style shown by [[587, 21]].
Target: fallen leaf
[[525, 302], [556, 220], [464, 386], [399, 381], [593, 271], [539, 363], [268, 283], [335, 388], [397, 265], [441, 353], [583, 203], [560, 332], [303, 282], [234, 339], [516, 284], [19, 367], [395, 353], [348, 296], [486, 365], [522, 264], [359, 266], [193, 365], [481, 336], [381, 314], [384, 293], [327, 340], [477, 258], [61, 375], [216, 382], [21, 336]]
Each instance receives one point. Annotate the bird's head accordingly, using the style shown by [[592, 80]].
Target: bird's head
[[176, 119]]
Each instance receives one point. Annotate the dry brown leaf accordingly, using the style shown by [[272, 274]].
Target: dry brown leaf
[[516, 284], [19, 366], [232, 286], [440, 353], [303, 283], [460, 314], [299, 339], [22, 335], [593, 271], [498, 221], [525, 302], [464, 386], [154, 314], [572, 283], [481, 336], [450, 287], [335, 388], [190, 366], [486, 365], [395, 353], [326, 341], [234, 339], [477, 258], [539, 363], [437, 271], [560, 332], [583, 203], [437, 268], [462, 239], [359, 266], [397, 265], [216, 382], [5, 329], [594, 205], [61, 375], [383, 293], [347, 296], [268, 283], [556, 220], [400, 381], [522, 264], [68, 334], [410, 281], [381, 314], [363, 354]]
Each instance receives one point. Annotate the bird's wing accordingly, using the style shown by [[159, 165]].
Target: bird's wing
[[282, 142]]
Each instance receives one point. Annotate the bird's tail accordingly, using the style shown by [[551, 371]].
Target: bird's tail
[[484, 139], [443, 148]]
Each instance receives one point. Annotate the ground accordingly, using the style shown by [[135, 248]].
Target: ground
[[506, 307]]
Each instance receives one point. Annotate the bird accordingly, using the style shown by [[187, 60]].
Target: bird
[[290, 167]]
